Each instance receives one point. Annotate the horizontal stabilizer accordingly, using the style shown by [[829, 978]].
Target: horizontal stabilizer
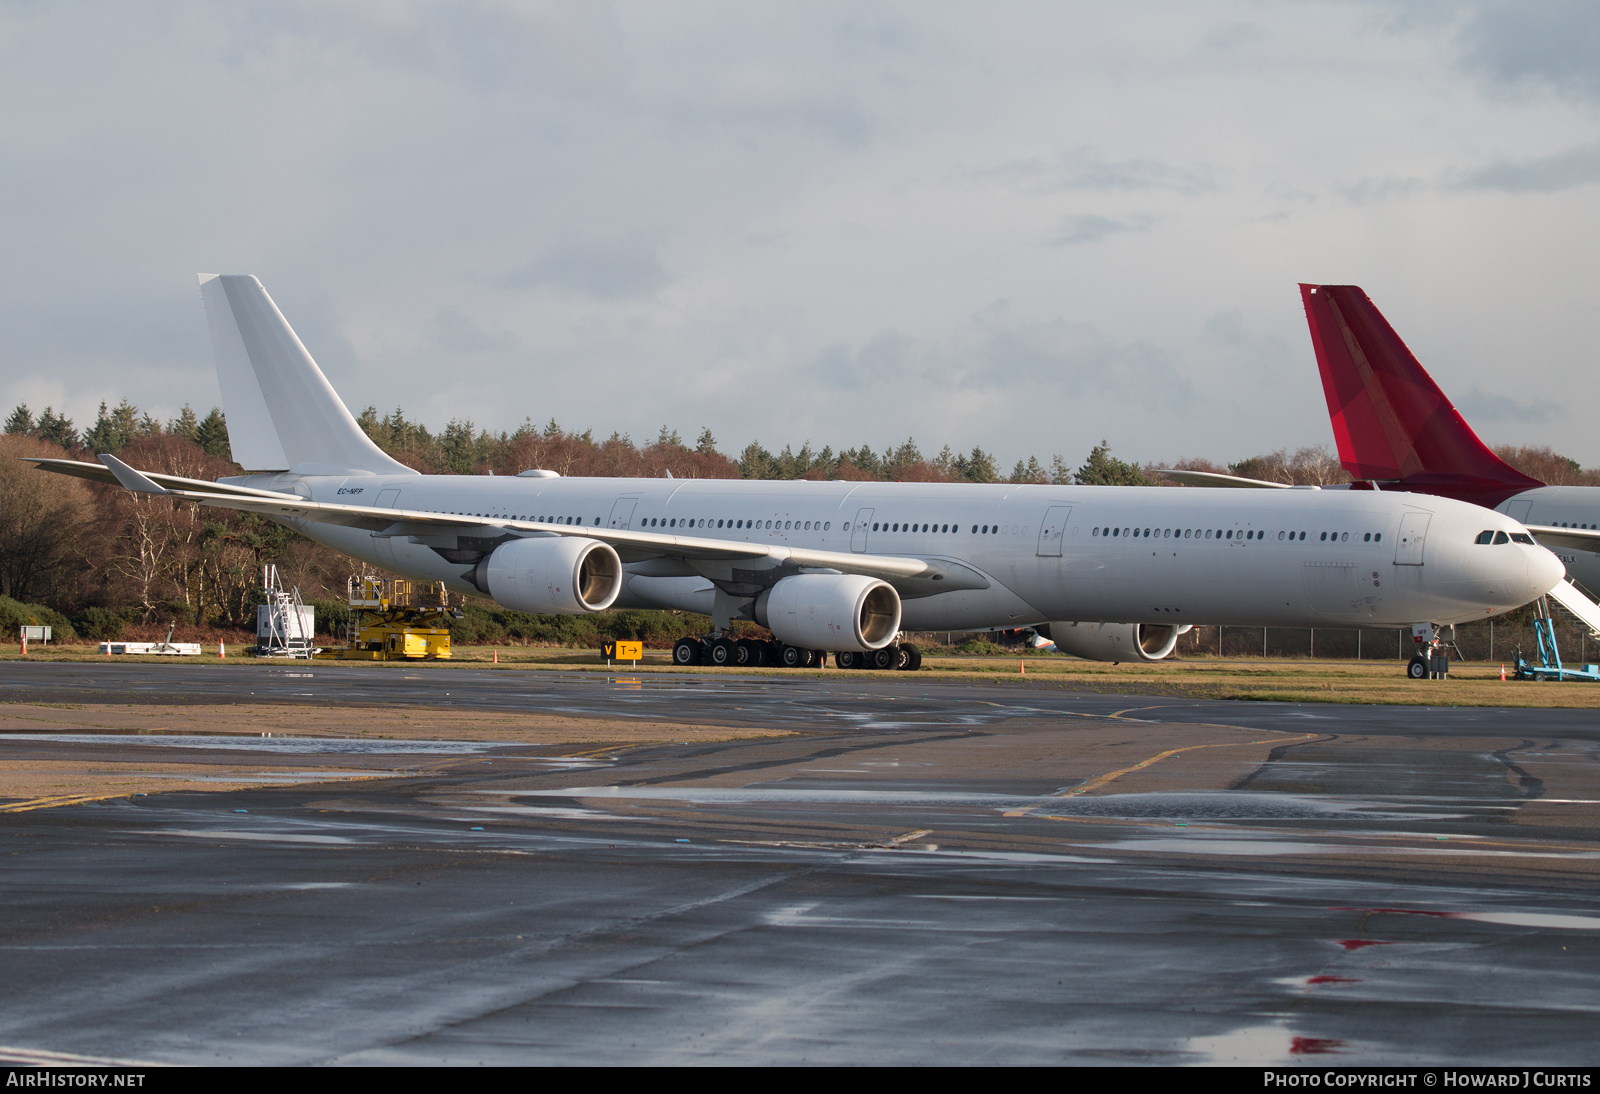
[[1390, 420], [95, 472], [282, 413]]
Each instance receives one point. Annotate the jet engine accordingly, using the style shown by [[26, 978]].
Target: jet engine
[[555, 575], [831, 612], [1116, 641]]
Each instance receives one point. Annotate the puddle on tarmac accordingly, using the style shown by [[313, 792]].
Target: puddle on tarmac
[[1261, 1045], [1223, 805], [1534, 919], [757, 796]]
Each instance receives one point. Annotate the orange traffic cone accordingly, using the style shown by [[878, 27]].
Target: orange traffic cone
[[497, 657], [1022, 668], [221, 651], [1502, 670]]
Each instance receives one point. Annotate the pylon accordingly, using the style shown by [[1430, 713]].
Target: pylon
[[24, 645], [497, 657], [1022, 667], [221, 651], [1502, 670]]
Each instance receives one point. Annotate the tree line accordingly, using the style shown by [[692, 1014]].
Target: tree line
[[98, 559]]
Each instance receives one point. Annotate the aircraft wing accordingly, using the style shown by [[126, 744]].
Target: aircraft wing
[[916, 576], [1212, 478], [1580, 539]]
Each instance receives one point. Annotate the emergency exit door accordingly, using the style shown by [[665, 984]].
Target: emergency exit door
[[1051, 530]]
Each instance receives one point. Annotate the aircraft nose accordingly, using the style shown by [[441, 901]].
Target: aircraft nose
[[1545, 571]]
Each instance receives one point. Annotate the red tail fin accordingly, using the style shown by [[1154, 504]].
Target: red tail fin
[[1390, 420]]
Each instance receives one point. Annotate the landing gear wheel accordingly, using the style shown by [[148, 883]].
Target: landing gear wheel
[[815, 659], [1417, 668], [847, 659], [886, 658], [744, 653], [792, 657], [910, 657], [722, 652], [686, 651], [902, 658]]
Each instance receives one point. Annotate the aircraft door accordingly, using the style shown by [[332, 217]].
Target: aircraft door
[[1413, 536], [622, 512], [1051, 530], [858, 532], [384, 548]]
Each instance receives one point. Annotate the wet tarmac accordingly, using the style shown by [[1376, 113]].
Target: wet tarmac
[[921, 872]]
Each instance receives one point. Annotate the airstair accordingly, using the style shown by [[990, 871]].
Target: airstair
[[1549, 666], [1570, 597], [285, 626]]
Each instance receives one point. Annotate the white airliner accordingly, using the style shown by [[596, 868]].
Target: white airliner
[[840, 567]]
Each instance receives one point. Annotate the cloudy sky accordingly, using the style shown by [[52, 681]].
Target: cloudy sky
[[1020, 226]]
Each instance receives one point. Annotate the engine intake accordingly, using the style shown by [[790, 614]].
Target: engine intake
[[831, 612], [1116, 641], [557, 575]]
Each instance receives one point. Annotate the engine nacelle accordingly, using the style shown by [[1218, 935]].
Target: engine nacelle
[[555, 575], [1116, 641], [831, 612]]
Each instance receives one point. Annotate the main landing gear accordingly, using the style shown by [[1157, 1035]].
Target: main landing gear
[[724, 651]]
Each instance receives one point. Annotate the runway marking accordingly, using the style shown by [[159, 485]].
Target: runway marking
[[907, 837], [51, 803], [1101, 780]]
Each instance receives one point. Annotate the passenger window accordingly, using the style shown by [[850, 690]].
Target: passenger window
[[1324, 537], [1377, 537], [1344, 537]]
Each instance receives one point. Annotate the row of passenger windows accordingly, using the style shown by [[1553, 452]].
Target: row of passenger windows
[[752, 525], [977, 530], [541, 520], [1225, 534]]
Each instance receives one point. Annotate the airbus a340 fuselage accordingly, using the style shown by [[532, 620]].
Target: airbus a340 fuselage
[[1018, 554]]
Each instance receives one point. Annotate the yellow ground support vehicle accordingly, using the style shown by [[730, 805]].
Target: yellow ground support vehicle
[[394, 620]]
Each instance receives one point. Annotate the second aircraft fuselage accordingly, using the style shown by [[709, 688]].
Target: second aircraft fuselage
[[1111, 554]]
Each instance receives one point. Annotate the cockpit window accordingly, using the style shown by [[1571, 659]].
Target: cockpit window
[[1485, 536], [1501, 537], [1522, 537]]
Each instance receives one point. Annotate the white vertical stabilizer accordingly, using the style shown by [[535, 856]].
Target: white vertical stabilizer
[[283, 415]]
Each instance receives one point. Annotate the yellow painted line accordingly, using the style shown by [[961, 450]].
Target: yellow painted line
[[918, 834], [51, 803], [1130, 710], [1101, 780]]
